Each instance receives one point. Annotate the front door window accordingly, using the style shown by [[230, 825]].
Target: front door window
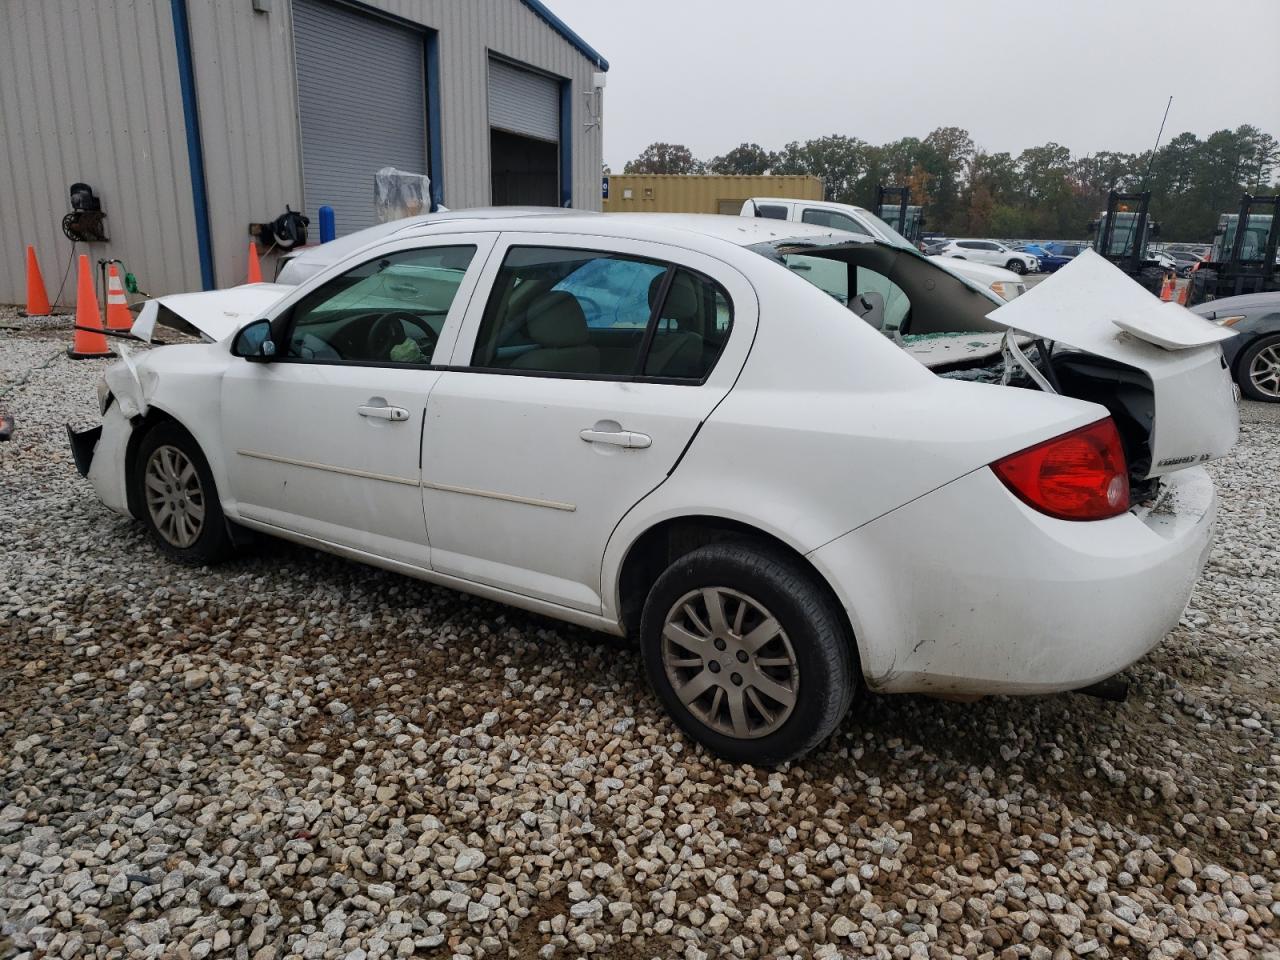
[[388, 310]]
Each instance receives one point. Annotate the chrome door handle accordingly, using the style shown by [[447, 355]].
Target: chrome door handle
[[619, 438], [395, 414]]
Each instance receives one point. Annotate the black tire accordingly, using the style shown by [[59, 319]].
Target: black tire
[[1152, 278], [826, 675], [211, 541], [1017, 266], [1243, 375], [1204, 285]]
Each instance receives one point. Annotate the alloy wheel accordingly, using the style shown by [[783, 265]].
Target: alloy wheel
[[1264, 371], [730, 662], [175, 498]]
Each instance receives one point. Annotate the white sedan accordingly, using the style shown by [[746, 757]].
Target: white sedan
[[666, 427], [990, 252]]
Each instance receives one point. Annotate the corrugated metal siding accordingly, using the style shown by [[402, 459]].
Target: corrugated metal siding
[[523, 102], [57, 84], [248, 123], [245, 82], [385, 101], [701, 193], [90, 92]]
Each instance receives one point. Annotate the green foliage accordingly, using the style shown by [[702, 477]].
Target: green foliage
[[1042, 192], [665, 158], [746, 159], [840, 161]]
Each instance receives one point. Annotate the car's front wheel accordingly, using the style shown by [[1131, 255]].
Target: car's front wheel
[[748, 653], [1260, 370], [1017, 266], [177, 496]]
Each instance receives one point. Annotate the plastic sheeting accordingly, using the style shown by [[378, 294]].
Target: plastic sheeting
[[398, 194]]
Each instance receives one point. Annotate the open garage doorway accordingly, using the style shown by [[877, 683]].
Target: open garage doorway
[[526, 171], [526, 151]]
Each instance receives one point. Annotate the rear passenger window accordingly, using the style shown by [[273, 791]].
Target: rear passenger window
[[771, 211], [832, 219], [590, 313], [691, 328]]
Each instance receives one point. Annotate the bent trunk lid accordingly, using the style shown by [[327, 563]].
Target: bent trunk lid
[[1092, 307], [213, 314]]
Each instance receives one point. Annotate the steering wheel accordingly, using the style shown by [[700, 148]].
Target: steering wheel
[[386, 331]]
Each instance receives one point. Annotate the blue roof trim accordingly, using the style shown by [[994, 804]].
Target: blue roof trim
[[562, 28]]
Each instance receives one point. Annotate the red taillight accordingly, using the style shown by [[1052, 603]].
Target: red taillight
[[1080, 475]]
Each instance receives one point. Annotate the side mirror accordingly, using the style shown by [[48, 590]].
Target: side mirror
[[1093, 226], [254, 342]]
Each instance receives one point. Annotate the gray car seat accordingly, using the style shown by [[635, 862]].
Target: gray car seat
[[677, 345], [558, 326]]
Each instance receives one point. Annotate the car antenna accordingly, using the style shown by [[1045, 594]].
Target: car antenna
[[1146, 177]]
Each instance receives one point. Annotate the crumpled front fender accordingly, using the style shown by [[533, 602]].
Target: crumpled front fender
[[126, 385]]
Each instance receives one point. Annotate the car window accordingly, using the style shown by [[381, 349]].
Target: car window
[[771, 211], [833, 219], [896, 306], [593, 313], [386, 310], [691, 328], [829, 276], [966, 244]]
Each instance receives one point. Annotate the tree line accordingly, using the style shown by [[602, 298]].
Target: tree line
[[1043, 192]]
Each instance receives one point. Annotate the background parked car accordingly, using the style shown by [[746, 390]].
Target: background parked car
[[992, 252], [1253, 354], [1066, 248], [1049, 262], [1184, 260]]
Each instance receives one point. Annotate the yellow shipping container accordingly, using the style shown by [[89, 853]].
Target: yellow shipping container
[[700, 193]]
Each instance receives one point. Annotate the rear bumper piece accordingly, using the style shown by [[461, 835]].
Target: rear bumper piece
[[83, 444], [969, 591]]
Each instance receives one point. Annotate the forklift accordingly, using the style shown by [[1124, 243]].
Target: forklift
[[893, 206], [1243, 259], [1121, 234]]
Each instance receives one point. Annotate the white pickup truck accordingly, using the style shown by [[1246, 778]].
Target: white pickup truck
[[843, 216]]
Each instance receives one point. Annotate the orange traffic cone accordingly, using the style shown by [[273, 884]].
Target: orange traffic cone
[[1166, 289], [89, 340], [255, 271], [37, 296], [118, 315]]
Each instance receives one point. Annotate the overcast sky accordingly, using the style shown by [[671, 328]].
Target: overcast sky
[[1089, 74]]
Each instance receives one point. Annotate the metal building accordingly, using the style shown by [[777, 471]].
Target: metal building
[[192, 119]]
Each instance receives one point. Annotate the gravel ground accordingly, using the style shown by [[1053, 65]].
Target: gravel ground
[[294, 755]]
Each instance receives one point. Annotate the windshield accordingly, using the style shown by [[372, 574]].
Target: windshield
[[888, 234]]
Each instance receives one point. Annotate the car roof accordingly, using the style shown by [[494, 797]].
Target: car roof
[[698, 231], [741, 231], [831, 204]]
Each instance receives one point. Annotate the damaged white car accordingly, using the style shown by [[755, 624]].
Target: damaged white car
[[788, 461]]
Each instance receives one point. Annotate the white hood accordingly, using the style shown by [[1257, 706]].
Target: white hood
[[983, 272], [214, 314], [1092, 306]]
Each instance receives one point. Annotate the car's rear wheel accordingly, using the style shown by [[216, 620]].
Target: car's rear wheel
[[175, 489], [748, 653], [1260, 370], [1017, 266]]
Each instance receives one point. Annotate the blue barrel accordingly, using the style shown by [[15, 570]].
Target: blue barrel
[[328, 227]]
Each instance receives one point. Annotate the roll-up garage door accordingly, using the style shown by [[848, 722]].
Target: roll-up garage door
[[361, 103], [523, 102]]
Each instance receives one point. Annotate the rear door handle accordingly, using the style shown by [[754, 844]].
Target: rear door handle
[[618, 438], [383, 412]]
